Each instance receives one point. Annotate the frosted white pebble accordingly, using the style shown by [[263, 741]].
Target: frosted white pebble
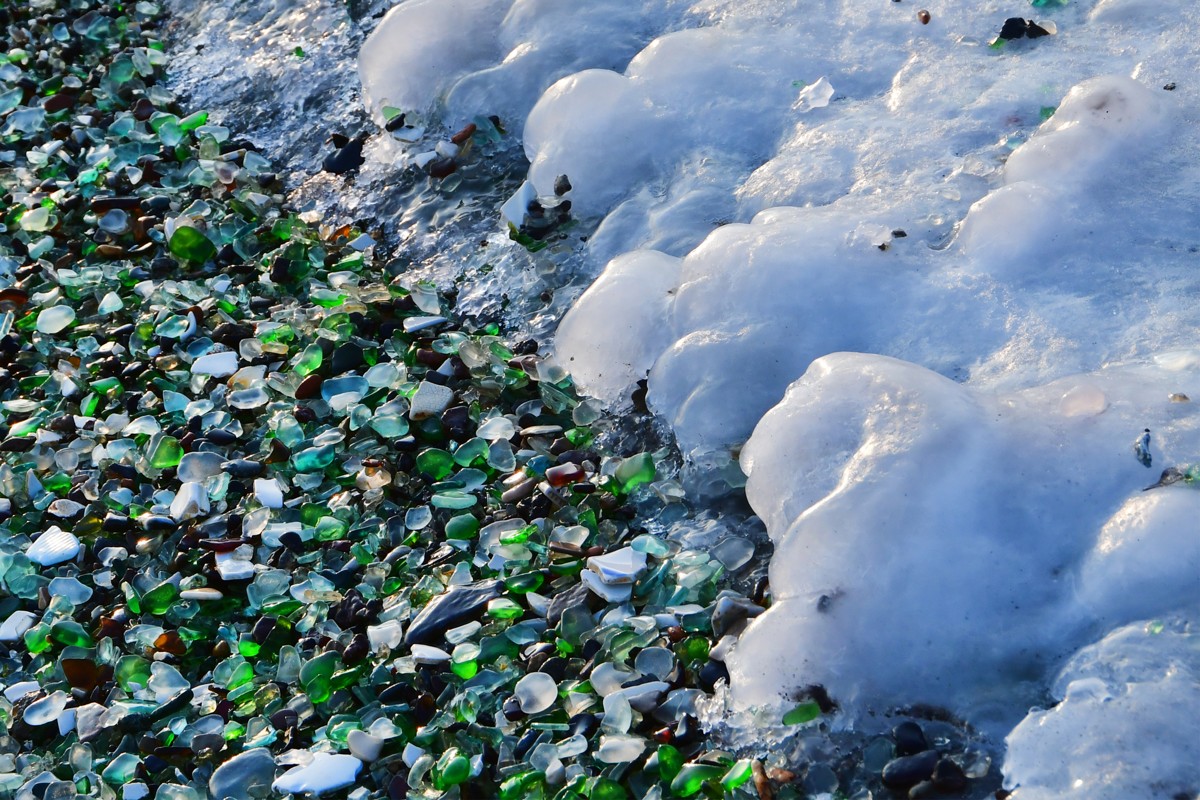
[[53, 320], [386, 634], [620, 749], [218, 365], [233, 568], [536, 692], [71, 589], [190, 501], [202, 594], [363, 745], [53, 547], [427, 654], [47, 709], [325, 773], [429, 400], [15, 626], [268, 492], [619, 566], [18, 690]]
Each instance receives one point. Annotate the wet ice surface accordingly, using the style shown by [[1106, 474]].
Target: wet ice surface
[[1008, 234], [240, 60]]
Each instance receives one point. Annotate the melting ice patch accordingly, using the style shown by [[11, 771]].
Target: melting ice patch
[[940, 544], [1135, 693]]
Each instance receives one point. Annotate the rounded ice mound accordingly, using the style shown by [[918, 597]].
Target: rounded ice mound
[[755, 305], [1127, 726], [939, 544], [422, 47], [623, 312], [471, 57], [1014, 229]]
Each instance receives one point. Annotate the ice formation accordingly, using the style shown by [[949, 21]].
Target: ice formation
[[1005, 236]]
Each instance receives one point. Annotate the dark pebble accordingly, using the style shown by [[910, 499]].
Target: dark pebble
[[1013, 28], [906, 771], [583, 725], [310, 387], [157, 522], [459, 605], [909, 739], [562, 185], [512, 710], [922, 789], [346, 158], [949, 777], [115, 523], [178, 702], [221, 437], [345, 358], [556, 668], [356, 651], [243, 468], [526, 742], [711, 674]]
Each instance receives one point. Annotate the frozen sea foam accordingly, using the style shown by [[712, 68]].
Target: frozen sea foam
[[945, 545], [1006, 236]]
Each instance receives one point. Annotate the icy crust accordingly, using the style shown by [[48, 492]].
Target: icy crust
[[757, 303], [1128, 724], [940, 544], [463, 58]]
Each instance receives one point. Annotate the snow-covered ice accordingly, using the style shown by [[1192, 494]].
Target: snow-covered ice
[[944, 285]]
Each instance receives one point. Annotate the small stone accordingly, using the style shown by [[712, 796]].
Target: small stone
[[429, 400], [906, 771], [949, 777], [46, 710], [268, 492], [364, 746], [248, 774], [346, 158], [451, 609], [199, 466], [55, 546], [536, 692], [620, 749], [427, 654], [202, 595], [924, 17], [325, 773], [55, 319], [609, 592], [218, 365], [190, 501], [19, 689], [15, 626], [618, 567], [909, 739], [233, 568]]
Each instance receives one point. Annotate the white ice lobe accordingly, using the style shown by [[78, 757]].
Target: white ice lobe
[[935, 543], [1136, 693], [471, 57]]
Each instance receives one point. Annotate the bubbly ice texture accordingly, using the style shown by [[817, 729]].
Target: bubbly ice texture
[[942, 544], [1137, 693], [1011, 233]]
